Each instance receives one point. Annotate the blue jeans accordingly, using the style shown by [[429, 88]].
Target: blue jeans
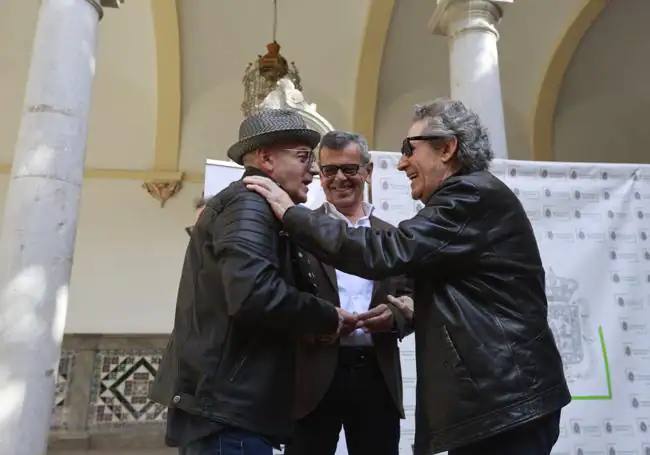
[[229, 442]]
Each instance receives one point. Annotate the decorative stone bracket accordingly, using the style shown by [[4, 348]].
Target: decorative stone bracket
[[161, 189]]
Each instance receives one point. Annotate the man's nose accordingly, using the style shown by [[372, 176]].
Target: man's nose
[[313, 168], [340, 175], [401, 164]]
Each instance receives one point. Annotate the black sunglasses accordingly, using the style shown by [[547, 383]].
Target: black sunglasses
[[407, 147], [306, 156], [349, 170]]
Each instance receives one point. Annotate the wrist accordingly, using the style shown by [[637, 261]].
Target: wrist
[[287, 210]]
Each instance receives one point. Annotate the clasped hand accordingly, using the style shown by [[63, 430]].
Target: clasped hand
[[377, 319]]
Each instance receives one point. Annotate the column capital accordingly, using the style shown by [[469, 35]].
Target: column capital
[[455, 16]]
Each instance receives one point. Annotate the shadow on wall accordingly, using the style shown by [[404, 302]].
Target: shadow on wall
[[604, 101], [516, 133]]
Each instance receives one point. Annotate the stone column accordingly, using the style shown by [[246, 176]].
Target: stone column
[[40, 220], [474, 60]]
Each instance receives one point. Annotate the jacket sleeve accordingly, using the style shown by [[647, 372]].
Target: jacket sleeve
[[443, 232], [247, 246]]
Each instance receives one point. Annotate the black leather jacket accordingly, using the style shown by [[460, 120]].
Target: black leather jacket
[[486, 358], [238, 316]]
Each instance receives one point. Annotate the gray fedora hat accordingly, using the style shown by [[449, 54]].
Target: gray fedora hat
[[270, 126]]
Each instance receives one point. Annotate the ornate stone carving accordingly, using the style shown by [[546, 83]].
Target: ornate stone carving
[[454, 16], [162, 190], [287, 96]]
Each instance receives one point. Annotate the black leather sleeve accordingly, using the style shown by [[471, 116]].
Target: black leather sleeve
[[445, 231], [257, 295], [402, 286]]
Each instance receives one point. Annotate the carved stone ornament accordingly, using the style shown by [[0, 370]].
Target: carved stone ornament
[[162, 190], [452, 17], [260, 77], [287, 96]]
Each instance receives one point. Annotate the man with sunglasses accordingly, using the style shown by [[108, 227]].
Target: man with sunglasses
[[490, 377], [354, 381], [240, 309]]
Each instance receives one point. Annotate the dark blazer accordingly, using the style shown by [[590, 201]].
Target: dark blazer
[[486, 358], [316, 362]]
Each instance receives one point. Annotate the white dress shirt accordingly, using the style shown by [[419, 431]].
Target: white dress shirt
[[355, 293]]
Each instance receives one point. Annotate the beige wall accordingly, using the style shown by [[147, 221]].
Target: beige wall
[[416, 65], [415, 68], [128, 258], [17, 23], [4, 182], [219, 39], [123, 113], [603, 109]]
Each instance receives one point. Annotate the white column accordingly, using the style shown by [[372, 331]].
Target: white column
[[40, 220], [474, 60]]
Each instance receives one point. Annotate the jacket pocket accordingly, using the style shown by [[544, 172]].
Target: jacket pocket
[[539, 360], [446, 391], [454, 362]]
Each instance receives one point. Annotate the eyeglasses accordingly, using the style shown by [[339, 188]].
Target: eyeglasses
[[407, 147], [349, 170], [306, 156]]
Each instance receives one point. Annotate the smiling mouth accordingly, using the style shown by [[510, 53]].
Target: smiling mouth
[[341, 187]]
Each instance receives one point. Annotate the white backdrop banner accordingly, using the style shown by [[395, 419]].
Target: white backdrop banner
[[592, 223]]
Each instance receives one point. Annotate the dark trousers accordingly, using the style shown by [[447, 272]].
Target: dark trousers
[[533, 438], [230, 441], [358, 400]]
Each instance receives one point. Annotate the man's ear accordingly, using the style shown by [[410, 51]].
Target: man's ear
[[449, 149], [369, 167], [265, 159]]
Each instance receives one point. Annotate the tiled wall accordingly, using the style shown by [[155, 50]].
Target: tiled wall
[[101, 393], [120, 386], [61, 405]]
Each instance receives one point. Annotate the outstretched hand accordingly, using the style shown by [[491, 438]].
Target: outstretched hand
[[350, 321], [347, 323], [377, 319], [277, 198], [405, 305]]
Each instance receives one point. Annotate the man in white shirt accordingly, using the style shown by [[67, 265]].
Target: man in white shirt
[[355, 381]]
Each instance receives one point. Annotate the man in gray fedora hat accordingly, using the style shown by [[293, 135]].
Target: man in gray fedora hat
[[243, 301]]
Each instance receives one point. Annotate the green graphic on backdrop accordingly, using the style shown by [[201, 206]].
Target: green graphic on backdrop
[[607, 375]]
